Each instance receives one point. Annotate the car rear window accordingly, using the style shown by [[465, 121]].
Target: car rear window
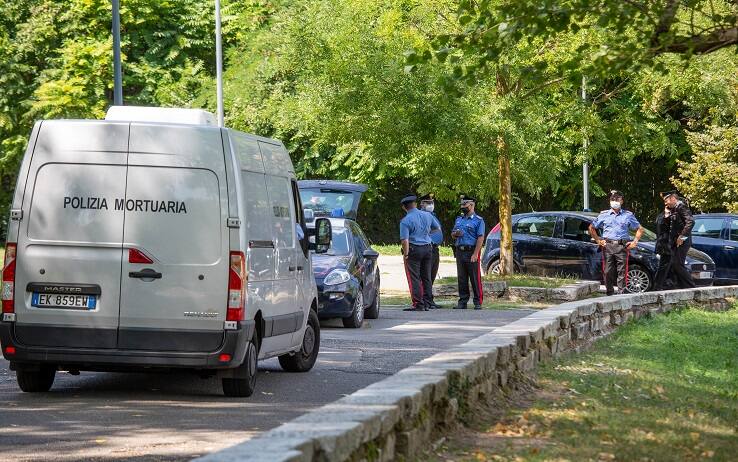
[[708, 227], [542, 226], [327, 202]]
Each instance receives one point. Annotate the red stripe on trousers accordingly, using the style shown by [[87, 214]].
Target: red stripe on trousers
[[409, 280], [479, 281]]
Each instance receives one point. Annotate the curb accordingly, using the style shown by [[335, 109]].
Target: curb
[[398, 416]]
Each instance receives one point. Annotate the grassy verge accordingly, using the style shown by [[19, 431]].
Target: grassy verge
[[663, 389], [404, 300], [394, 250], [519, 280]]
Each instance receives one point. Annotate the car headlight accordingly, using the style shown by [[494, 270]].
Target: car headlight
[[337, 276]]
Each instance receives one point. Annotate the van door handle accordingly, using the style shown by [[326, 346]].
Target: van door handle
[[299, 268], [145, 274]]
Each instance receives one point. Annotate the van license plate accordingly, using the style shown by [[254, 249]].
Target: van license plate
[[80, 302]]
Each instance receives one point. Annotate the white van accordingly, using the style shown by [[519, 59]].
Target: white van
[[139, 244]]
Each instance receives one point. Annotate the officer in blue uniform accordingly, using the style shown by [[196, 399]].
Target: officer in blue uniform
[[468, 233], [427, 204], [616, 225], [415, 232]]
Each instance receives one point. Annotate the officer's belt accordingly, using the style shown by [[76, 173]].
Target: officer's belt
[[619, 241]]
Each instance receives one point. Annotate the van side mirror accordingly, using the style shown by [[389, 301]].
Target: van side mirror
[[371, 253], [323, 235], [309, 215]]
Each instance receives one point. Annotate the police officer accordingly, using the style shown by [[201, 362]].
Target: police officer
[[427, 204], [615, 242], [678, 219], [469, 234], [415, 230]]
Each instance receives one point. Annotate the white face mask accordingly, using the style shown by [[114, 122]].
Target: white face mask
[[615, 205], [430, 208]]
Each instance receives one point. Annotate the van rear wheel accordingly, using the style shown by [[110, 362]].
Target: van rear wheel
[[304, 360], [245, 385], [36, 380]]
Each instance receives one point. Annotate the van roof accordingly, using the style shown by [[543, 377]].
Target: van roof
[[160, 114]]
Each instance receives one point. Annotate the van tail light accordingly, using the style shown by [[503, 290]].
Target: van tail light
[[136, 256], [8, 291], [236, 287]]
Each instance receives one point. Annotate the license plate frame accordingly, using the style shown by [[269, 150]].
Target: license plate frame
[[64, 301], [702, 275]]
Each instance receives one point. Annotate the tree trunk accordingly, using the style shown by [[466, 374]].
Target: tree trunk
[[506, 243]]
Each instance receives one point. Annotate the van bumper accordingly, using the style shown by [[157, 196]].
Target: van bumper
[[234, 344]]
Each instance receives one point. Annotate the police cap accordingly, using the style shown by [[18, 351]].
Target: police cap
[[615, 194], [464, 198], [666, 194], [409, 198], [427, 198]]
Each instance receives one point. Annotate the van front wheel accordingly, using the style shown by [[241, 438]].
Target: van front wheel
[[245, 385], [304, 360], [36, 380]]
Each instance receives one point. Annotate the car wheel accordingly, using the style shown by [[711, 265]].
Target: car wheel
[[304, 360], [639, 280], [35, 381], [244, 386], [372, 311], [494, 267], [356, 319]]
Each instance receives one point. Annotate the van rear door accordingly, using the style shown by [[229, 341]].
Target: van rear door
[[70, 236], [174, 283]]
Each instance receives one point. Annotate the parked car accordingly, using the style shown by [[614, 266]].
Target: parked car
[[140, 244], [347, 276], [559, 244], [716, 234]]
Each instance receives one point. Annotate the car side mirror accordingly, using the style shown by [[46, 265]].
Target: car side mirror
[[323, 235], [371, 253]]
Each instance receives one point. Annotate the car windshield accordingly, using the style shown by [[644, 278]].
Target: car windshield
[[648, 236], [340, 242], [327, 202]]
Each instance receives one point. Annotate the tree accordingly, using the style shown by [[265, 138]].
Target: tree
[[615, 39], [710, 180], [327, 78]]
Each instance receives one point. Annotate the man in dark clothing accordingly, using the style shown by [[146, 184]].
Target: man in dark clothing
[[415, 230], [680, 224], [663, 248]]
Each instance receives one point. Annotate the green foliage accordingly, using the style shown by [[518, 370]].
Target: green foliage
[[711, 178]]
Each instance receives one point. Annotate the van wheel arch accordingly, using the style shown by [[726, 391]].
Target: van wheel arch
[[259, 329]]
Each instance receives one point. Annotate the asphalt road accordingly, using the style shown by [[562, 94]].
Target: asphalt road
[[112, 416]]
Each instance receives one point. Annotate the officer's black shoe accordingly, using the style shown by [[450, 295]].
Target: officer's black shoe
[[434, 306], [414, 309], [460, 307], [477, 307]]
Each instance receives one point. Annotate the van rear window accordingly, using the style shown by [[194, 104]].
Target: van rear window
[[77, 203]]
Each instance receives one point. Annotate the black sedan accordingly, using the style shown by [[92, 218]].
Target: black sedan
[[347, 276], [559, 244]]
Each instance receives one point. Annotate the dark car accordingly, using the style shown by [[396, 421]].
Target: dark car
[[347, 275], [716, 234], [559, 244]]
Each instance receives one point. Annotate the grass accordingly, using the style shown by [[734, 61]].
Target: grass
[[394, 250], [494, 304], [519, 280], [662, 389]]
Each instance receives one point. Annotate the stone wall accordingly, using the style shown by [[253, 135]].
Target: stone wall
[[570, 292], [397, 418]]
